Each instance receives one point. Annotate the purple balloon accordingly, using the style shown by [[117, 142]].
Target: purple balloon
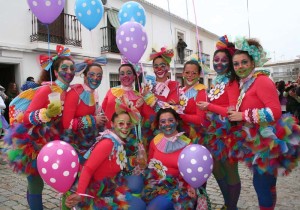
[[132, 40], [195, 164], [46, 11]]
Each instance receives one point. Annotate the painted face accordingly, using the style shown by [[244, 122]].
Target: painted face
[[122, 125], [190, 74], [126, 76], [167, 124], [221, 63], [94, 77], [242, 65], [66, 71], [160, 67]]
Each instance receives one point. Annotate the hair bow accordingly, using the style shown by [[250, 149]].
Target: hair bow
[[222, 44], [138, 67], [167, 54], [46, 61], [258, 54], [80, 67], [124, 105]]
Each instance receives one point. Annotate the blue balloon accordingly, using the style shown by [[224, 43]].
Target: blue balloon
[[132, 11], [89, 12]]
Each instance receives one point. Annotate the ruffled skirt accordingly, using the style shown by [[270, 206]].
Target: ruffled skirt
[[275, 149], [174, 188]]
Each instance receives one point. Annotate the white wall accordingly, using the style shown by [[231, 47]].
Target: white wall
[[16, 48]]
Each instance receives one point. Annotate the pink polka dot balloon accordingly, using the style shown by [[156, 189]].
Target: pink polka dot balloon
[[58, 165], [195, 164], [132, 40]]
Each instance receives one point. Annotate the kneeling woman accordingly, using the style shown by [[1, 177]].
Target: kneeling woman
[[164, 186], [101, 175]]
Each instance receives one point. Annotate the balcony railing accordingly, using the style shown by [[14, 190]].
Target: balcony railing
[[187, 53], [66, 30], [109, 40]]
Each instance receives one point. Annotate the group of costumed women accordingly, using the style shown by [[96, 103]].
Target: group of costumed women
[[129, 146]]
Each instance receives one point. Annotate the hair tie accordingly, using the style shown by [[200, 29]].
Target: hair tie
[[167, 54], [80, 67], [222, 44], [46, 61]]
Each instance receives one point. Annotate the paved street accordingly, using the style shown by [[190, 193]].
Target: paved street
[[13, 192]]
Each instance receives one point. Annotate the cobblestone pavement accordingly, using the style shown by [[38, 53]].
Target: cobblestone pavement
[[13, 191]]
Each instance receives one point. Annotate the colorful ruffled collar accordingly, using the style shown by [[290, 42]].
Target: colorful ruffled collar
[[169, 145], [87, 96], [222, 78], [131, 94]]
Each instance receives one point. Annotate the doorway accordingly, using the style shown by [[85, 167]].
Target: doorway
[[7, 72]]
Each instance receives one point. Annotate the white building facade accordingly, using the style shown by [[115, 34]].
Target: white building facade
[[23, 39]]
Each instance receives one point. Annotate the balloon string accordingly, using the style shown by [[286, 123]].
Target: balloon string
[[48, 33], [197, 34], [171, 32]]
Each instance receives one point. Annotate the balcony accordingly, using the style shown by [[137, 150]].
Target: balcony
[[109, 44], [187, 53], [65, 30]]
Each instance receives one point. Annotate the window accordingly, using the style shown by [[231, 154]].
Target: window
[[114, 80]]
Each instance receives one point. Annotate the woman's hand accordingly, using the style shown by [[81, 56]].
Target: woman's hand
[[72, 200], [101, 120], [235, 116], [203, 105]]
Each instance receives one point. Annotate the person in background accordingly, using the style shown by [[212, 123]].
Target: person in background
[[218, 139], [2, 107], [30, 83], [164, 187], [40, 122], [272, 140], [11, 92], [181, 45], [101, 176], [282, 95]]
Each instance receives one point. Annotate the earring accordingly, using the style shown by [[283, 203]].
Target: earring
[[82, 75]]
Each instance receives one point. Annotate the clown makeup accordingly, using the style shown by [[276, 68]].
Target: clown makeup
[[122, 125], [94, 77], [66, 71], [168, 124], [126, 76], [221, 63], [190, 75], [242, 65], [160, 68]]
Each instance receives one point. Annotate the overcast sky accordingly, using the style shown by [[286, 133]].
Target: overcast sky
[[276, 23]]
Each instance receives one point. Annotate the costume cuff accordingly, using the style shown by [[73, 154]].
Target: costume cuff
[[84, 122], [38, 117], [150, 99]]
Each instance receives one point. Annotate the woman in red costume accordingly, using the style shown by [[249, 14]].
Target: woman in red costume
[[194, 92], [272, 139], [164, 186], [218, 139], [101, 176], [159, 93], [32, 127], [81, 117], [127, 76]]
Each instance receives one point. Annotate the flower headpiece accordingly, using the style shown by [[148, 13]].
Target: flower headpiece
[[46, 61], [124, 105], [138, 67], [222, 44], [80, 67], [167, 54], [258, 54]]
